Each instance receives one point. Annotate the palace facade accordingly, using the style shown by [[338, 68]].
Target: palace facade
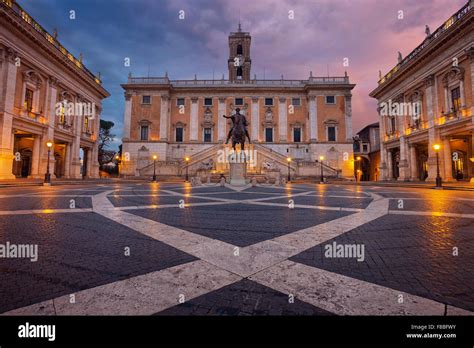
[[434, 85], [297, 119], [37, 73]]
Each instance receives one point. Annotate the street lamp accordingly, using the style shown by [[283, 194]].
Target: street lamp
[[358, 166], [47, 176], [436, 147], [289, 161], [154, 167], [117, 161], [321, 159], [187, 161]]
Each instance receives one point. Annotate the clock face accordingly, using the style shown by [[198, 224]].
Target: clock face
[[239, 61]]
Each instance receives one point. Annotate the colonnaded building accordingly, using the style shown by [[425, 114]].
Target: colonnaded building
[[297, 119], [436, 83], [36, 73]]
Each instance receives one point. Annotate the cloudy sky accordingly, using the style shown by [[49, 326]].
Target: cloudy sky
[[323, 32]]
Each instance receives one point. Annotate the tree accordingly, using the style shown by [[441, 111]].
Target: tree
[[105, 138]]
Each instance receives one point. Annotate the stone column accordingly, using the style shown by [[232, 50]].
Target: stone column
[[35, 165], [447, 160], [313, 119], [89, 166], [75, 168], [389, 165], [221, 121], [193, 132], [461, 92], [95, 167], [7, 65], [255, 119], [383, 175], [282, 120], [127, 118], [403, 165], [348, 116], [164, 117], [413, 164], [53, 90], [471, 155], [432, 132], [67, 165]]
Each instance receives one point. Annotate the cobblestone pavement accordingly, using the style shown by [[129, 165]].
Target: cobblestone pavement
[[173, 249]]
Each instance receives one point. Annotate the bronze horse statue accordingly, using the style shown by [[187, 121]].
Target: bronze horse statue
[[238, 131]]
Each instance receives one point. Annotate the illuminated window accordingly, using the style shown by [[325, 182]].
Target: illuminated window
[[456, 99], [86, 124], [29, 100]]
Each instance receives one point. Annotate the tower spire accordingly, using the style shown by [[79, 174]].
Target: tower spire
[[240, 27]]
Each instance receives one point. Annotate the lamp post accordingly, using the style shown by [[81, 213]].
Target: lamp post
[[47, 176], [358, 167], [154, 167], [289, 161], [187, 161], [321, 159], [439, 183], [117, 160]]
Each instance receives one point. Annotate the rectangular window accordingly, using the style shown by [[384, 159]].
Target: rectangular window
[[180, 101], [331, 133], [239, 101], [86, 124], [456, 99], [207, 101], [207, 135], [364, 148], [393, 124], [268, 101], [297, 135], [269, 135], [29, 100], [330, 99], [179, 134], [146, 99], [296, 101], [144, 133]]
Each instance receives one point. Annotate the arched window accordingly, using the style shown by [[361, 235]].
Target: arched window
[[240, 49]]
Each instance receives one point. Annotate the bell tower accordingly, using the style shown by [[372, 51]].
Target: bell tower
[[239, 62]]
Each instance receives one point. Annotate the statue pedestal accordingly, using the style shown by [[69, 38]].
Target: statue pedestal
[[237, 173]]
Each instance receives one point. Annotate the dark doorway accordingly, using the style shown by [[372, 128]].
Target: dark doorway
[[25, 163]]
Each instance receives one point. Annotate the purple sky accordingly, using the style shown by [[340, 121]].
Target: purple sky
[[368, 32]]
